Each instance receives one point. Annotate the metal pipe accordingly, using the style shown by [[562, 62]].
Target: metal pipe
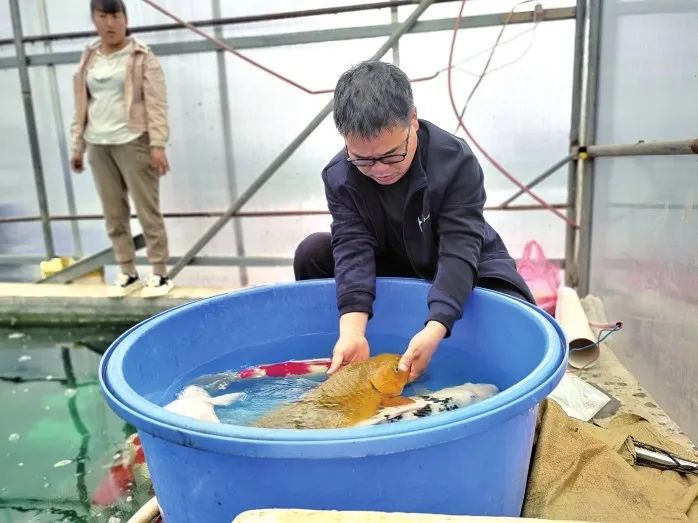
[[60, 133], [544, 175], [191, 214], [200, 261], [571, 234], [32, 130], [643, 148], [247, 214], [319, 36], [227, 125], [217, 22], [288, 151], [394, 19], [588, 135]]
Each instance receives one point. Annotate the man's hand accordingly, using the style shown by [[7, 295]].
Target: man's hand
[[421, 348], [352, 344], [349, 348], [77, 163], [159, 160]]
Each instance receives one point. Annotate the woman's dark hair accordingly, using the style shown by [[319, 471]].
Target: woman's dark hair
[[108, 6]]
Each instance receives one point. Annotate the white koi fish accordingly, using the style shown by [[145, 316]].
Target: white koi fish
[[196, 403], [450, 398]]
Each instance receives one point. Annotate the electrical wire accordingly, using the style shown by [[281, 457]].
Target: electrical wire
[[600, 337], [484, 152], [512, 62], [222, 45], [489, 58], [230, 49], [449, 70]]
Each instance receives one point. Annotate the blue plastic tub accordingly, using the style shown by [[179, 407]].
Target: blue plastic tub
[[469, 461]]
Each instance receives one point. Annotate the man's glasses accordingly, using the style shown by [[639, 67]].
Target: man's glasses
[[387, 159]]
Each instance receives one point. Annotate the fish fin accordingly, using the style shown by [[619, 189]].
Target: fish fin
[[226, 399], [395, 401]]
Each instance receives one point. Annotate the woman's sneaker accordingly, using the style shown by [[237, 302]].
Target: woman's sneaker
[[124, 285], [156, 286]]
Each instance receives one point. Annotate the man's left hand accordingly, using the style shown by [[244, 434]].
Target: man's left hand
[[421, 348]]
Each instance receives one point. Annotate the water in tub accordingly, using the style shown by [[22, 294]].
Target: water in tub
[[452, 381]]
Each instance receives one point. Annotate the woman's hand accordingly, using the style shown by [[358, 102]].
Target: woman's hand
[[77, 163], [421, 348], [159, 160]]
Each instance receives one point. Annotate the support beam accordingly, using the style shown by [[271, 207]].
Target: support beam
[[290, 149], [538, 179], [231, 178], [32, 130], [63, 147], [319, 36], [571, 234], [643, 149], [586, 209], [247, 214], [200, 261], [227, 21]]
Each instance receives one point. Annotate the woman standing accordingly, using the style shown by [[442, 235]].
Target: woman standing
[[121, 120]]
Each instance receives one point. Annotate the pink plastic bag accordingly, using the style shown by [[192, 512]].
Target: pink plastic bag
[[541, 275]]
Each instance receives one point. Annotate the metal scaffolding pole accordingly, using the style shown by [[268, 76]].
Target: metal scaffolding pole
[[248, 214], [394, 18], [541, 177], [588, 136], [231, 177], [60, 133], [32, 130], [289, 150], [643, 149], [321, 35], [572, 179], [237, 20]]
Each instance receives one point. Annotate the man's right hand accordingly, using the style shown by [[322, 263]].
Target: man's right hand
[[77, 163], [349, 348], [352, 344]]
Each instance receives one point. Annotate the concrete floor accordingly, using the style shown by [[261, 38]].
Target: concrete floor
[[53, 304]]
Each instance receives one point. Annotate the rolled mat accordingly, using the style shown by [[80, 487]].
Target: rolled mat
[[584, 351]]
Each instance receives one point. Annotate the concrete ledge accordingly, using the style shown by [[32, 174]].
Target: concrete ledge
[[56, 304], [333, 516]]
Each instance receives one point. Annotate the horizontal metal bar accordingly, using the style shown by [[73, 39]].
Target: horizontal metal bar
[[307, 37], [225, 261], [191, 214], [242, 214], [203, 261], [643, 149], [217, 22]]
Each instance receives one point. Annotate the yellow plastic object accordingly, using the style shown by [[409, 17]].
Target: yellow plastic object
[[55, 265]]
